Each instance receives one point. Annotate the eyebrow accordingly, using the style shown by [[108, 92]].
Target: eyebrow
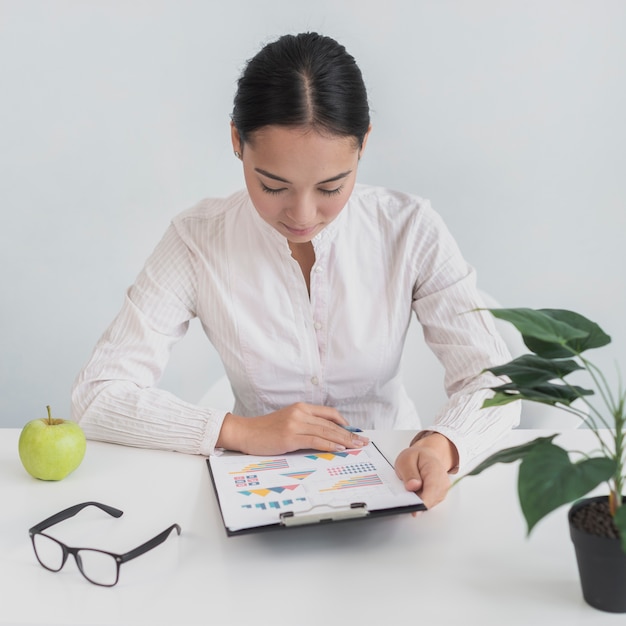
[[284, 180]]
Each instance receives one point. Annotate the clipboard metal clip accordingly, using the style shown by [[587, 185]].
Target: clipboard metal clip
[[354, 511]]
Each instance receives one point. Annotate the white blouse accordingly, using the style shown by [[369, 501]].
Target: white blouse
[[385, 256]]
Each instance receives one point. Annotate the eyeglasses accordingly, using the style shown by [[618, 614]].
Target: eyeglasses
[[97, 566]]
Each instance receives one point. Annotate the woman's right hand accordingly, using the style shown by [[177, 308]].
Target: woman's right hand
[[299, 426]]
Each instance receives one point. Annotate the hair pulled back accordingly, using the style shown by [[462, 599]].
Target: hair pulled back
[[304, 80]]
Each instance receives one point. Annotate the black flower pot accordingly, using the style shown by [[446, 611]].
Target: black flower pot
[[601, 565]]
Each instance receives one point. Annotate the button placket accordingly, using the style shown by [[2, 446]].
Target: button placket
[[319, 289]]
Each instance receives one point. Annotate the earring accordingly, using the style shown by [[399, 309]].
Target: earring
[[237, 154]]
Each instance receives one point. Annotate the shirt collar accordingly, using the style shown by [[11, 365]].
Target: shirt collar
[[320, 242]]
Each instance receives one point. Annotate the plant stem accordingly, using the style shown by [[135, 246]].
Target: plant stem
[[618, 437], [588, 417], [616, 483], [601, 383], [601, 386], [617, 411]]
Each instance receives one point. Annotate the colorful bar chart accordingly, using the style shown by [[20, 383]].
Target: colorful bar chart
[[260, 466], [367, 480]]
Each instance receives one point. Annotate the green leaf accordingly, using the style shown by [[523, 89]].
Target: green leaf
[[596, 337], [554, 333], [546, 393], [509, 455], [620, 521], [530, 369], [548, 479], [500, 399]]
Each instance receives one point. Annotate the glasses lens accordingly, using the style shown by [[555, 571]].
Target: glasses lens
[[49, 552], [98, 567]]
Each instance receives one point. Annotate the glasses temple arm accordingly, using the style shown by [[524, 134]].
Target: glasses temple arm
[[70, 512], [148, 545]]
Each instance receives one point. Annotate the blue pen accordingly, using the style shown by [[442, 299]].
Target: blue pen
[[353, 429]]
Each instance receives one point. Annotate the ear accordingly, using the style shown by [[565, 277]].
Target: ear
[[365, 138], [235, 139]]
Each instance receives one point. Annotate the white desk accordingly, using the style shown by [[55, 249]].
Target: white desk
[[465, 562]]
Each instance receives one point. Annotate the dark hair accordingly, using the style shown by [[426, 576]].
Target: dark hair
[[302, 80]]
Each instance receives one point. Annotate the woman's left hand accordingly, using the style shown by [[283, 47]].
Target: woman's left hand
[[425, 465]]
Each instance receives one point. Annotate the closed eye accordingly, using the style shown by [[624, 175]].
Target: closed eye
[[332, 192], [271, 190]]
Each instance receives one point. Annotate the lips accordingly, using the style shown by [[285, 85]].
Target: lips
[[301, 232]]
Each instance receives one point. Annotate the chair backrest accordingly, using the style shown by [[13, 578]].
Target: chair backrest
[[219, 394]]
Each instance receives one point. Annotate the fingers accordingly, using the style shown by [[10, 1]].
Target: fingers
[[335, 442], [323, 430], [407, 470], [435, 487], [422, 471], [296, 427]]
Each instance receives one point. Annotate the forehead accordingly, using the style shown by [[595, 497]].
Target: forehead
[[290, 152]]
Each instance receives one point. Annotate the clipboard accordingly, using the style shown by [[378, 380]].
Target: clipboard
[[304, 488]]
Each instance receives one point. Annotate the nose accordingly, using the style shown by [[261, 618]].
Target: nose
[[303, 210]]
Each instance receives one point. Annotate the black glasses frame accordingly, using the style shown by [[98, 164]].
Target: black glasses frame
[[67, 550]]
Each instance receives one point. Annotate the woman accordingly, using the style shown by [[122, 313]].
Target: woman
[[305, 283]]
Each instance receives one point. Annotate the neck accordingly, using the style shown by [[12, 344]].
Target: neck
[[304, 254]]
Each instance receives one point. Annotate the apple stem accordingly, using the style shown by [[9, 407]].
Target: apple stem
[[49, 415]]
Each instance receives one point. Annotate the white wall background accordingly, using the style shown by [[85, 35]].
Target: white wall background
[[508, 115]]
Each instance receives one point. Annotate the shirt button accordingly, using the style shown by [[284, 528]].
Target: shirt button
[[315, 380], [317, 325], [318, 269]]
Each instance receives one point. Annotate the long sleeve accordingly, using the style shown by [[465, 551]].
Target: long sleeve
[[115, 397], [465, 347], [464, 340]]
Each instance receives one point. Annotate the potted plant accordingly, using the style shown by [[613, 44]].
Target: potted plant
[[549, 476]]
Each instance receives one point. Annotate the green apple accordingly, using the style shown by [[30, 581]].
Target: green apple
[[51, 448]]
